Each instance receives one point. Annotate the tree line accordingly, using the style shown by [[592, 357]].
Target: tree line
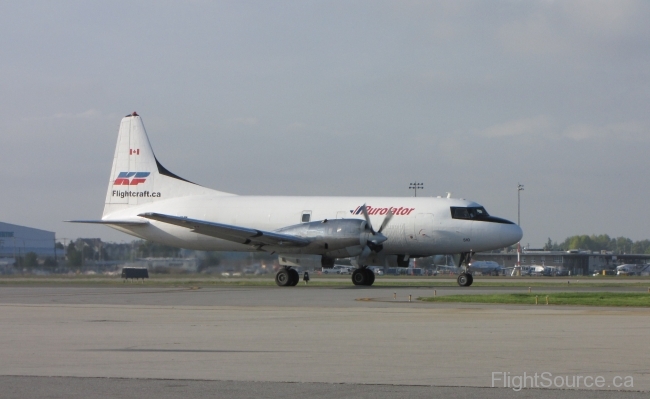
[[602, 242]]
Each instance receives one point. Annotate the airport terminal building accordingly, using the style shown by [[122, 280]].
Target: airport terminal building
[[18, 240]]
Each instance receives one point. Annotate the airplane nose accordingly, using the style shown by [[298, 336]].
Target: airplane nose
[[511, 234]]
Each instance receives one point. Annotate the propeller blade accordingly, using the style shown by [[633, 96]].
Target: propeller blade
[[387, 219], [365, 215], [363, 256]]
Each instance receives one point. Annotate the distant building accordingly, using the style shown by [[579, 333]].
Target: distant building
[[18, 240], [577, 261]]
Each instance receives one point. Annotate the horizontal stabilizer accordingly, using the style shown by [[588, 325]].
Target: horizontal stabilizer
[[115, 222], [242, 235]]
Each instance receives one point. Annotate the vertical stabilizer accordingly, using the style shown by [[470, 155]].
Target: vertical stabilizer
[[137, 177]]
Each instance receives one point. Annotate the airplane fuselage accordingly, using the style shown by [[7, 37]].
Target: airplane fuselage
[[420, 227]]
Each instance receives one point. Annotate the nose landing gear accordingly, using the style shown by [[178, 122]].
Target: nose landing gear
[[465, 279]]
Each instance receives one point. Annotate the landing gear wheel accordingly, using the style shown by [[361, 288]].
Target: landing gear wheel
[[371, 277], [282, 278], [359, 276], [363, 276], [294, 277], [464, 279]]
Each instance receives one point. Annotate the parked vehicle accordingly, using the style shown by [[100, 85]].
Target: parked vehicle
[[338, 269]]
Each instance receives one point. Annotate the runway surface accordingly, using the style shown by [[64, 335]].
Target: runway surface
[[306, 341]]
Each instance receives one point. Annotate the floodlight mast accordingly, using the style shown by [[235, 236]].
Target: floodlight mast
[[415, 187], [520, 188]]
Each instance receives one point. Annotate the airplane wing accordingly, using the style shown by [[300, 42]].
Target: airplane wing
[[242, 235], [127, 222]]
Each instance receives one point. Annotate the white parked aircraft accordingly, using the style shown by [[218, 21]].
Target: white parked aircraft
[[148, 201], [632, 269]]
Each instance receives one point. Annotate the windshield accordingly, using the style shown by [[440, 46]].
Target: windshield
[[478, 212]]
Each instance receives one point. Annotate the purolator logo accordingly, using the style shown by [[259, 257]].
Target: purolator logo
[[382, 211], [131, 178]]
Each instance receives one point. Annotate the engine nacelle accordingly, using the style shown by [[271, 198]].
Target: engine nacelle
[[339, 238]]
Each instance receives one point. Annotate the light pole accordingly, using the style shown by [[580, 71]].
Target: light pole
[[520, 188], [416, 187]]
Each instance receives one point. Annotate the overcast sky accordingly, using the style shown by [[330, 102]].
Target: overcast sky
[[335, 98]]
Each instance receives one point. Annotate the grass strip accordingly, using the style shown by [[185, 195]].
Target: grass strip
[[639, 299]]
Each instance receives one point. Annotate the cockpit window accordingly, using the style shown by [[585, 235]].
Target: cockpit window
[[470, 213]]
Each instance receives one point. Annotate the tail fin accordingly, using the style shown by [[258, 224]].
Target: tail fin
[[137, 177]]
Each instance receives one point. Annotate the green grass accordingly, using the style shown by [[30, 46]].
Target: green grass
[[556, 298]]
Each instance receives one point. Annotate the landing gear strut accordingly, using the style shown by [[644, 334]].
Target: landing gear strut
[[287, 277], [465, 279], [363, 276]]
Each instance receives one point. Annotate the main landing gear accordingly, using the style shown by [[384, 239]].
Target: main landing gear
[[287, 277], [465, 279], [363, 276]]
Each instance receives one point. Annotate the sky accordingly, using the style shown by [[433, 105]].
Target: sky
[[355, 98]]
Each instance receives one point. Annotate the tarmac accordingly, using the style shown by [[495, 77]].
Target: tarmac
[[322, 342]]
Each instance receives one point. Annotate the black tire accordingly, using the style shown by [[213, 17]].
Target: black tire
[[359, 277], [463, 279], [371, 277], [294, 277], [282, 278], [471, 280]]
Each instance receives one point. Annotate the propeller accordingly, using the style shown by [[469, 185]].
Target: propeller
[[374, 243]]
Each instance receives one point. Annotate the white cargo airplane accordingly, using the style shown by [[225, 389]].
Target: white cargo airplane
[[148, 201]]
